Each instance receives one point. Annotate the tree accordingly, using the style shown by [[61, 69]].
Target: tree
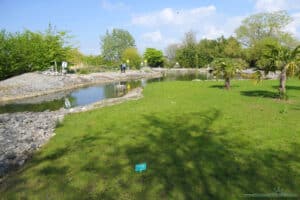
[[187, 55], [132, 55], [57, 45], [232, 48], [278, 57], [113, 44], [154, 57], [30, 51], [75, 57], [265, 25], [228, 68], [207, 51], [4, 55], [92, 60], [254, 55], [170, 52]]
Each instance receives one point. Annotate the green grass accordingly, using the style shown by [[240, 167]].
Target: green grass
[[198, 140]]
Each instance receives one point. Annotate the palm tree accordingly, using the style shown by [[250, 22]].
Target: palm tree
[[228, 68], [284, 59]]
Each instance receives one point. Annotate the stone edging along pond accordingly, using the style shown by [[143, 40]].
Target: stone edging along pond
[[21, 134], [38, 84]]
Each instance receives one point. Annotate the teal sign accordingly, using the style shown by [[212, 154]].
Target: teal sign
[[140, 167]]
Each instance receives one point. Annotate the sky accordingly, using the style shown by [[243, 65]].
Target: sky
[[155, 23]]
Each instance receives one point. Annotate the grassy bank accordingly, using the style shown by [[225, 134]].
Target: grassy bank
[[198, 140]]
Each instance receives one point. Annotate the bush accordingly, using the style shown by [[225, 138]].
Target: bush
[[31, 51]]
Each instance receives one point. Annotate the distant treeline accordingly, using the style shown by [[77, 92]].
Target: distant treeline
[[31, 51]]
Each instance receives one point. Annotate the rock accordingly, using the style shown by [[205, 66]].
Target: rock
[[21, 162], [33, 146], [3, 168], [11, 156]]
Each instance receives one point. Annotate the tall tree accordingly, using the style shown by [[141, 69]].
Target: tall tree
[[263, 25], [278, 57], [187, 55], [171, 51], [114, 43], [207, 51], [133, 57], [232, 48], [254, 55], [154, 57]]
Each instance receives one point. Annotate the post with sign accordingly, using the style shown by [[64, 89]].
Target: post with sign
[[64, 66]]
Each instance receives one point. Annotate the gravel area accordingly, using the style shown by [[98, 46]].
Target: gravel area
[[21, 134]]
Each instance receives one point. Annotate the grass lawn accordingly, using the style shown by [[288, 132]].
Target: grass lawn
[[198, 140]]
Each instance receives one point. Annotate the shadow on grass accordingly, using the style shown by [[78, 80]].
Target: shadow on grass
[[223, 87], [260, 93], [187, 158], [288, 87], [194, 161]]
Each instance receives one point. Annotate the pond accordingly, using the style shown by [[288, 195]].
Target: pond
[[91, 94]]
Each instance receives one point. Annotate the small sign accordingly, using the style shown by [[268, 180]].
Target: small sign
[[64, 64], [140, 167]]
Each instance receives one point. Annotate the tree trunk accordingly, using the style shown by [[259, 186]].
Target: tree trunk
[[227, 83], [282, 88]]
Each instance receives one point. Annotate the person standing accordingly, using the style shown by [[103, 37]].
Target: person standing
[[124, 67]]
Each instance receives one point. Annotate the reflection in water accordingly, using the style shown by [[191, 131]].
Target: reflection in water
[[88, 95], [67, 103]]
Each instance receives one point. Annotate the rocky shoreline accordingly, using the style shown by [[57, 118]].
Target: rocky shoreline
[[21, 134], [37, 84]]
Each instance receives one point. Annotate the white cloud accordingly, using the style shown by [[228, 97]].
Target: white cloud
[[155, 39], [270, 5], [276, 5], [294, 26], [107, 5], [205, 21], [153, 36], [168, 25], [169, 16], [212, 32]]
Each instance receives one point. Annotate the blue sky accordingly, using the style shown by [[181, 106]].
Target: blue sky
[[152, 23]]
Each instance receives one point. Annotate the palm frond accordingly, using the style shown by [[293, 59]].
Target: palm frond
[[296, 52], [291, 68]]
